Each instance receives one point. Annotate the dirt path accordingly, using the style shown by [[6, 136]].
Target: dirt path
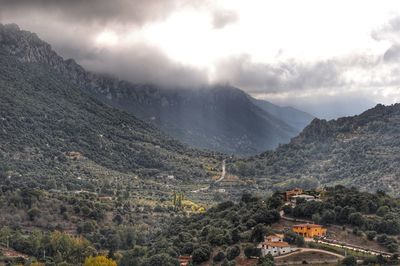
[[304, 250]]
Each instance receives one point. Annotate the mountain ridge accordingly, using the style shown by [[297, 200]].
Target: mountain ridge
[[203, 118], [361, 151], [44, 118]]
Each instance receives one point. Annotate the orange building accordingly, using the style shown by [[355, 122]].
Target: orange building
[[309, 230]]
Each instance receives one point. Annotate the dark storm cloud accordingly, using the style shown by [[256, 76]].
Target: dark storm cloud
[[145, 64], [222, 18], [96, 11], [72, 26]]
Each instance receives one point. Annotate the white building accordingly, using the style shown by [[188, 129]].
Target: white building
[[304, 197], [275, 246]]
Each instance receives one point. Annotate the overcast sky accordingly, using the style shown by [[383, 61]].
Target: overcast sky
[[330, 58]]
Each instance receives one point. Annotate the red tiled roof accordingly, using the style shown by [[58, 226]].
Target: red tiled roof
[[276, 244]]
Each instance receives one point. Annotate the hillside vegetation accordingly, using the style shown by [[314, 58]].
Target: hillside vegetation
[[47, 125], [361, 151]]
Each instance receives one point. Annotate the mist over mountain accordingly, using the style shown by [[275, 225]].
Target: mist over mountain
[[219, 118]]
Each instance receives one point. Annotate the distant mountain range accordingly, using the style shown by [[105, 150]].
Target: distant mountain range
[[361, 151], [53, 132], [219, 118]]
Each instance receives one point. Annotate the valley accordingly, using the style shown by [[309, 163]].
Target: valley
[[90, 170]]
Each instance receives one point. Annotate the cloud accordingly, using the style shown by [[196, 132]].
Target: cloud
[[103, 12], [221, 18], [284, 76], [327, 105], [141, 63], [72, 26]]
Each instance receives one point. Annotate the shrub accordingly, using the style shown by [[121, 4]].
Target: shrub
[[232, 252], [252, 251], [201, 254], [220, 256]]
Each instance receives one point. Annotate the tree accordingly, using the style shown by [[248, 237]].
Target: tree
[[382, 211], [232, 252], [235, 235], [328, 217], [99, 261], [133, 257], [161, 259], [266, 261], [356, 219], [118, 219], [294, 238], [392, 247], [349, 261], [258, 233], [252, 251], [220, 256], [287, 209], [316, 218], [370, 235], [201, 254], [33, 213]]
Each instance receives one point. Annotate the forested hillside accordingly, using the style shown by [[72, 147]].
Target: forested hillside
[[361, 151], [47, 123]]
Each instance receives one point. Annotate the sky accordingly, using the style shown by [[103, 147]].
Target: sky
[[329, 58]]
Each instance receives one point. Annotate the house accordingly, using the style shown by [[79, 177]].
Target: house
[[290, 193], [309, 230], [275, 248], [304, 197], [184, 260]]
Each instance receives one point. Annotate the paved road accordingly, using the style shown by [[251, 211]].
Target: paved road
[[217, 181]]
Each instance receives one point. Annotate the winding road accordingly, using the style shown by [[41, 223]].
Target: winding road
[[216, 181]]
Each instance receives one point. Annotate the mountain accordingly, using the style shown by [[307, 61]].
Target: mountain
[[51, 132], [219, 118], [361, 151], [291, 116]]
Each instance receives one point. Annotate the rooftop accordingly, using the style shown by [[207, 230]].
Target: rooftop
[[276, 244], [307, 225]]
